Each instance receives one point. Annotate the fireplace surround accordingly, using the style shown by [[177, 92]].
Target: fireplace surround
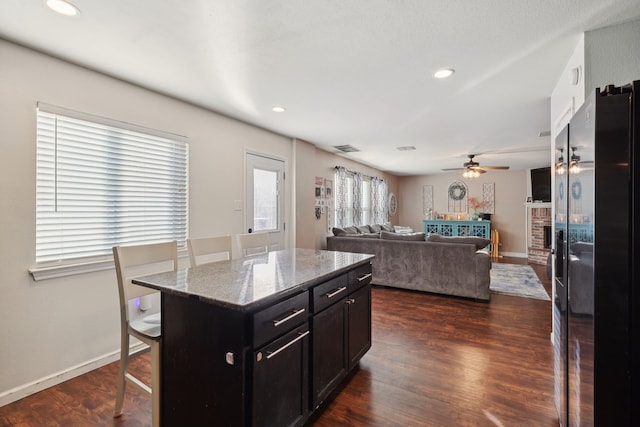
[[538, 232]]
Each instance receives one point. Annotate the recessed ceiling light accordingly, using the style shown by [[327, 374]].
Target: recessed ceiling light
[[444, 73], [278, 109], [62, 7]]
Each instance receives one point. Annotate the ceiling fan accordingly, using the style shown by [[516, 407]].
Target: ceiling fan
[[472, 169]]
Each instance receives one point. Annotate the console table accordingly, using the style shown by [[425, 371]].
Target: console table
[[458, 228], [261, 340]]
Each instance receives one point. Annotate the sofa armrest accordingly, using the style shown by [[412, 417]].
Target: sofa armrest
[[483, 274]]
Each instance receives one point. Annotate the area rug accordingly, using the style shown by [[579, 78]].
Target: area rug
[[516, 280]]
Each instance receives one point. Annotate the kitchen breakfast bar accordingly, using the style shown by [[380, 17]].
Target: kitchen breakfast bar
[[261, 340]]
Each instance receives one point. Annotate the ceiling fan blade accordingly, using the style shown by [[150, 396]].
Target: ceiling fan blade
[[496, 168], [516, 150], [452, 169]]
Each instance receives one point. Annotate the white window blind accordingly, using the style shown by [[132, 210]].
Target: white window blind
[[102, 183]]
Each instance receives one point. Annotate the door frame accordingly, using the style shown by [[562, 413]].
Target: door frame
[[287, 185]]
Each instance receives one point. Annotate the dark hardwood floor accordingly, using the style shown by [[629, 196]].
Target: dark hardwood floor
[[435, 361]]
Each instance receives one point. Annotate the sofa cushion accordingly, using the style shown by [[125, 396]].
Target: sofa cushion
[[347, 231], [579, 248], [387, 235], [370, 235], [479, 242]]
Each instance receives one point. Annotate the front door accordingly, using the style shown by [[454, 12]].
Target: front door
[[265, 198]]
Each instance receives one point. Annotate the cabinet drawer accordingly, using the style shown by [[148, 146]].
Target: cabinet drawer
[[280, 318], [359, 277], [329, 292]]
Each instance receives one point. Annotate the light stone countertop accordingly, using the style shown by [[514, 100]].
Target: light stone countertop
[[246, 283]]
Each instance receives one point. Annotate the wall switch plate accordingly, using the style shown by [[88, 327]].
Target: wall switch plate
[[237, 205]]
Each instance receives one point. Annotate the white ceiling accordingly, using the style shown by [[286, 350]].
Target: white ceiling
[[355, 72]]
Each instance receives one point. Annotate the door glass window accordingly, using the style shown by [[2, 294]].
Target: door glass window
[[265, 196]]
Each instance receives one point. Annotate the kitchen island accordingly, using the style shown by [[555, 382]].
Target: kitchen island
[[261, 340]]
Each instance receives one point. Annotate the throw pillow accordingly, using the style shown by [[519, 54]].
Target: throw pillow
[[343, 232], [338, 231], [375, 228], [387, 227], [388, 235], [402, 229], [479, 242], [363, 229]]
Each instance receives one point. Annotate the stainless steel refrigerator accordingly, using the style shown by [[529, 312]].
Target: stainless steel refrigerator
[[597, 257]]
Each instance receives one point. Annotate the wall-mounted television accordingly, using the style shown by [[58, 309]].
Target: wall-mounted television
[[541, 184]]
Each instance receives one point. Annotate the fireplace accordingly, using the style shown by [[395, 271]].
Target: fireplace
[[547, 237], [539, 233]]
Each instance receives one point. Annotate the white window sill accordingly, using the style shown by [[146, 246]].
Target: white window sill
[[62, 270], [54, 271]]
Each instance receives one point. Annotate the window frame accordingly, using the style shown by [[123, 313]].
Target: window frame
[[70, 265]]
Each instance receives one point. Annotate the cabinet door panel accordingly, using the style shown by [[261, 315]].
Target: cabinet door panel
[[359, 324], [280, 381], [329, 351]]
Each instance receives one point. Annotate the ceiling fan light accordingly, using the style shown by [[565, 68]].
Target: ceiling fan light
[[574, 168], [470, 173]]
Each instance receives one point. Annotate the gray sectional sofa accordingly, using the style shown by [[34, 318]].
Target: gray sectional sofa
[[445, 265]]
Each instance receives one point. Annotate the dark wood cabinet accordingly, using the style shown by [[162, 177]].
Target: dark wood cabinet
[[329, 345], [359, 320], [341, 326]]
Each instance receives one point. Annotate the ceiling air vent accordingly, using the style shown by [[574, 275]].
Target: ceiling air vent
[[406, 148], [346, 148]]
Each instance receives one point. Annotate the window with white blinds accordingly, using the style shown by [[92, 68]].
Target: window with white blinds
[[102, 183]]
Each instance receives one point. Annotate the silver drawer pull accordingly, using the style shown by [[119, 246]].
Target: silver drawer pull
[[289, 317], [365, 277], [301, 335], [336, 292]]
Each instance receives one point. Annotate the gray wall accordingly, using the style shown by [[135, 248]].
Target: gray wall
[[53, 327], [509, 209]]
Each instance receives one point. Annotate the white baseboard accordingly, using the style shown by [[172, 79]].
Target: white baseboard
[[514, 254], [28, 389]]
